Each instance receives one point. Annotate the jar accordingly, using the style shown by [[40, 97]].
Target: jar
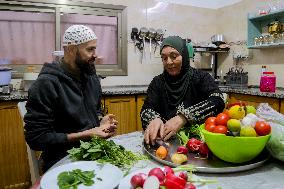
[[267, 82]]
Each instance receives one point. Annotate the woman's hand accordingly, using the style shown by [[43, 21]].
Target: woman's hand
[[173, 125], [155, 129]]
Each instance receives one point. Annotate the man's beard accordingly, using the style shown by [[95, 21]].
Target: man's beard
[[87, 67]]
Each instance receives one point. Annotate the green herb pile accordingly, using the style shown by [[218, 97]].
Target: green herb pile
[[185, 133], [71, 179], [104, 151]]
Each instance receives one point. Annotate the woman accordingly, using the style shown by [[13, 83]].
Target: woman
[[181, 95]]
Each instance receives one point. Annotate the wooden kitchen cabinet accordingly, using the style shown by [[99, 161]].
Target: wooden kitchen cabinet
[[124, 108], [14, 171], [140, 101], [254, 100], [282, 106]]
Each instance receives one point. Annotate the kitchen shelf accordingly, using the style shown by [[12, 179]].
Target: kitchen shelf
[[256, 25], [269, 16], [214, 52], [201, 49], [273, 45]]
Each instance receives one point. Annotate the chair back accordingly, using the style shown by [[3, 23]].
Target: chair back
[[33, 160]]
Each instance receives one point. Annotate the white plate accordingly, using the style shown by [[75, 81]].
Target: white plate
[[49, 179], [125, 182]]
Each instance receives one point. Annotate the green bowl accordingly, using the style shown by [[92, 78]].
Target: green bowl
[[234, 149]]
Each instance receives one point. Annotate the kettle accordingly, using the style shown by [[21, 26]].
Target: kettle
[[275, 27]]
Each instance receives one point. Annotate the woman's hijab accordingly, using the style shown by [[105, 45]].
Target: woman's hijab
[[176, 86]]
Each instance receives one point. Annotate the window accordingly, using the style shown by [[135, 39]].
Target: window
[[32, 30]]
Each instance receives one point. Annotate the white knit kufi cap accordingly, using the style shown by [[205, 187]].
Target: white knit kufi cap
[[78, 34]]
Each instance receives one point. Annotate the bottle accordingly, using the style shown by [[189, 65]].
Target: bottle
[[267, 82], [263, 69]]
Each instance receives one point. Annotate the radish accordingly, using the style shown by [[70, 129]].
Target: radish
[[157, 172], [182, 150], [168, 170], [137, 181], [189, 186], [151, 182]]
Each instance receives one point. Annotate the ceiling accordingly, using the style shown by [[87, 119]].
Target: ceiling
[[211, 4]]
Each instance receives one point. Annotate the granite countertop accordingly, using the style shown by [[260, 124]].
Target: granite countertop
[[142, 89], [279, 93]]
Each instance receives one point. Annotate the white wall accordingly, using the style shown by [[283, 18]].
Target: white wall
[[185, 21]]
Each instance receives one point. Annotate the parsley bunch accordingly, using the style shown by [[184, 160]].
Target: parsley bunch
[[104, 151]]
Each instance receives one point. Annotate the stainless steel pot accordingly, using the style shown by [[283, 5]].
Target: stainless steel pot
[[218, 39]]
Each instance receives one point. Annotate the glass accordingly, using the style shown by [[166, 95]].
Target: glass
[[282, 37], [27, 37]]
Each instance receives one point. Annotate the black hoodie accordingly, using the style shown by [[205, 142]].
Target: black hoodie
[[60, 103]]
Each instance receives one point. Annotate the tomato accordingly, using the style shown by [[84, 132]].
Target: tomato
[[262, 128], [222, 119], [210, 120], [210, 127], [220, 129], [226, 112]]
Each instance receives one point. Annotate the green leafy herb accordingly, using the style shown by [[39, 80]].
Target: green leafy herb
[[105, 151], [71, 179], [186, 133]]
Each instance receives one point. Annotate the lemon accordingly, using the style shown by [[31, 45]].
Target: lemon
[[248, 131], [234, 125], [237, 112]]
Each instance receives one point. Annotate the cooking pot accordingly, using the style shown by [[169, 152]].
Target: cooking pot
[[217, 39], [5, 76]]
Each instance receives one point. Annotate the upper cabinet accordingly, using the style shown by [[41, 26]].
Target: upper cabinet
[[266, 31]]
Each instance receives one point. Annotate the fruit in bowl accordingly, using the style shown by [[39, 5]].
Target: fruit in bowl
[[234, 149]]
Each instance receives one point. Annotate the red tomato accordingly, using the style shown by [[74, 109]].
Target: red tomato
[[210, 127], [222, 119], [220, 129], [262, 128], [210, 120], [226, 112]]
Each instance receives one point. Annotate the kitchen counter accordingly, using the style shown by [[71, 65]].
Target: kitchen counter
[[279, 93], [142, 89], [269, 175]]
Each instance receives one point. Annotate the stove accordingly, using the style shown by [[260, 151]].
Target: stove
[[6, 89]]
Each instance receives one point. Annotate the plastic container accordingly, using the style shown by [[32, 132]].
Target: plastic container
[[267, 82]]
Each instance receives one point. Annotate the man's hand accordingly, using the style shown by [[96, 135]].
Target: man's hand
[[173, 125], [110, 118], [106, 129], [155, 129]]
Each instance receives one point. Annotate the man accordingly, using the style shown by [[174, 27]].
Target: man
[[63, 104]]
